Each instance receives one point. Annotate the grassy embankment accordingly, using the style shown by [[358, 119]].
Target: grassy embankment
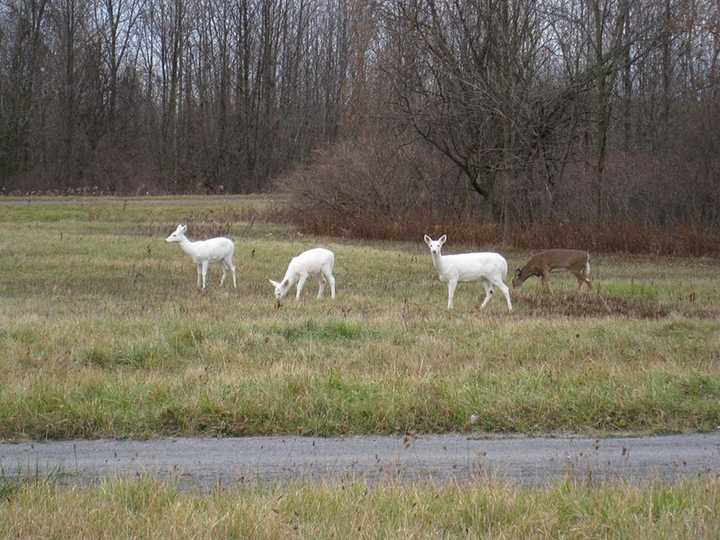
[[103, 334], [149, 509]]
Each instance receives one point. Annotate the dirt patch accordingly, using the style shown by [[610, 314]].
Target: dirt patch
[[590, 305]]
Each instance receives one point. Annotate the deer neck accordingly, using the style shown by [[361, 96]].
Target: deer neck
[[291, 277], [187, 246], [438, 262]]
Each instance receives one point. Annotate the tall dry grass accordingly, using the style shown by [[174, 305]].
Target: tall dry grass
[[487, 509], [103, 334]]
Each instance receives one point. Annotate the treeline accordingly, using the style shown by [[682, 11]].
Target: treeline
[[167, 95], [521, 111]]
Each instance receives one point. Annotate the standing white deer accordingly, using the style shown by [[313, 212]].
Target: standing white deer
[[490, 269], [203, 252], [317, 262]]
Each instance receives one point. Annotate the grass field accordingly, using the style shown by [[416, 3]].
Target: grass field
[[103, 334], [148, 509]]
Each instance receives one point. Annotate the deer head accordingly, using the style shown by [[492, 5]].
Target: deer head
[[281, 289], [435, 245], [178, 234]]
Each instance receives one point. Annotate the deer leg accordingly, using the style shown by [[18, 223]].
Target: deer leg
[[232, 269], [545, 277], [451, 292], [488, 293], [224, 269], [580, 280], [204, 274], [327, 273], [506, 293], [300, 285], [582, 277], [321, 285], [199, 275]]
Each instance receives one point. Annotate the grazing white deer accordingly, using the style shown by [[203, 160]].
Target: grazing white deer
[[203, 252], [575, 261], [490, 269], [317, 262]]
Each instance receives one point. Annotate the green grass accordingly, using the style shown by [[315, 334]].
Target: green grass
[[150, 509], [103, 334]]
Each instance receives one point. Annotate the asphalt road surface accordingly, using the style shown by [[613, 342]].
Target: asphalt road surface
[[212, 462]]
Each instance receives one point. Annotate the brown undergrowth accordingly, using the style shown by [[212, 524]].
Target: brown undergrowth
[[590, 305], [598, 305], [684, 240]]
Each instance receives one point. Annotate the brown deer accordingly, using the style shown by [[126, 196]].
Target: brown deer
[[575, 261]]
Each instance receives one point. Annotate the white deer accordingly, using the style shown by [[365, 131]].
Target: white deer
[[317, 262], [490, 269], [203, 252]]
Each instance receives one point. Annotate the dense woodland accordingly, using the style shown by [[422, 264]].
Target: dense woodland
[[524, 111]]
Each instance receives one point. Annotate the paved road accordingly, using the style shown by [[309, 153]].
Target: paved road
[[208, 462]]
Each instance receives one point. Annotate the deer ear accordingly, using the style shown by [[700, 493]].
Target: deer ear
[[274, 283], [428, 239], [443, 239]]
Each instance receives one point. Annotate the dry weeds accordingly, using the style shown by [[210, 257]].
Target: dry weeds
[[684, 240], [591, 305]]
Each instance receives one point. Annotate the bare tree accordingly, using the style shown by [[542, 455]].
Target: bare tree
[[543, 111]]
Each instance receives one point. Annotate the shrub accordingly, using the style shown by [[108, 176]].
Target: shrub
[[376, 177], [376, 188]]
